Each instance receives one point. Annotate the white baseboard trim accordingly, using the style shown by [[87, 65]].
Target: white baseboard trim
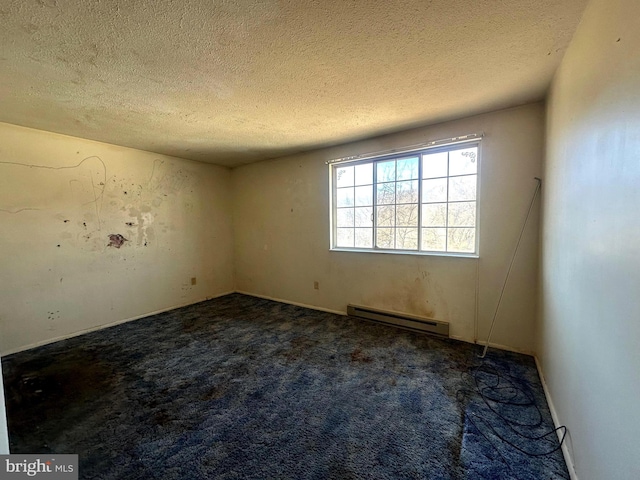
[[505, 347], [568, 458], [107, 325], [344, 313], [242, 292], [297, 304], [461, 339]]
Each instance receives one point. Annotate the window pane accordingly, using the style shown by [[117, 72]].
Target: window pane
[[462, 188], [462, 214], [344, 177], [344, 237], [363, 217], [408, 168], [384, 237], [422, 201], [364, 174], [386, 171], [434, 190], [386, 193], [434, 165], [407, 192], [434, 215], [364, 237], [407, 215], [344, 217], [407, 238], [364, 196], [386, 216], [462, 162], [434, 239], [461, 240], [345, 197]]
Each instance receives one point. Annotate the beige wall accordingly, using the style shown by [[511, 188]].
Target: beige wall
[[281, 228], [590, 308], [60, 198]]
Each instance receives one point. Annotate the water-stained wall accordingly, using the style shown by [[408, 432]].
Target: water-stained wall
[[94, 234], [281, 229]]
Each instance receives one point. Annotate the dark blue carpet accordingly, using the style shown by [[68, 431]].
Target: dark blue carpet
[[240, 387]]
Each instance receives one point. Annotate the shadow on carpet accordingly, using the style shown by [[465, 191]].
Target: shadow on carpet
[[240, 387]]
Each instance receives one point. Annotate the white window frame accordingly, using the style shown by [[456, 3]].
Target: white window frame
[[398, 155]]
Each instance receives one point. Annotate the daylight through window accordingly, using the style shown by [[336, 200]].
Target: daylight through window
[[421, 201]]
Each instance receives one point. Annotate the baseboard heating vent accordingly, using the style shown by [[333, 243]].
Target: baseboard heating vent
[[401, 320]]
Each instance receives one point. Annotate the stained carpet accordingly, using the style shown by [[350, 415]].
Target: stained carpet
[[245, 388]]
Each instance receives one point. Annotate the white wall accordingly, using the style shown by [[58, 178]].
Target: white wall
[[281, 228], [60, 198], [4, 432], [589, 343]]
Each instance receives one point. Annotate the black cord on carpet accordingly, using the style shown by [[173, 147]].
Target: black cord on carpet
[[497, 390]]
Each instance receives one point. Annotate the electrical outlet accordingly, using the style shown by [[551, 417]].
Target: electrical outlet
[[193, 280], [316, 286]]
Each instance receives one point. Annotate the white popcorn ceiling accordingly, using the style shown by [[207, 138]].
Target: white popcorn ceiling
[[232, 82]]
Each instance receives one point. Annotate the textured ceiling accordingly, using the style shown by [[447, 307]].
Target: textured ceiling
[[231, 82]]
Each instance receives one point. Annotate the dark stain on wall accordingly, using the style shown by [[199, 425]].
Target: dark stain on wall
[[116, 240]]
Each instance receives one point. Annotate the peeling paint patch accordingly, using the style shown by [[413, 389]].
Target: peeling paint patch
[[116, 240]]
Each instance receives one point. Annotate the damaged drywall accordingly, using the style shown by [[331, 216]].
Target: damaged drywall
[[97, 234]]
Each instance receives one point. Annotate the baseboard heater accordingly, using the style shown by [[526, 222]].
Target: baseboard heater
[[401, 320]]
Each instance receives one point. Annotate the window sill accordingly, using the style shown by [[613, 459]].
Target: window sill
[[406, 252]]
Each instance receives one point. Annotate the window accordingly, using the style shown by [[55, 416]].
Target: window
[[423, 202]]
